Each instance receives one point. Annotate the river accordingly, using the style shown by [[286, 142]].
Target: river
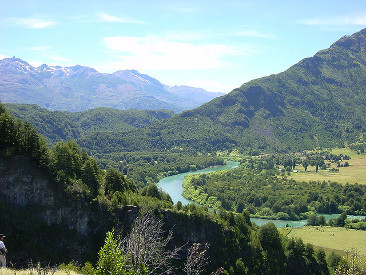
[[173, 186]]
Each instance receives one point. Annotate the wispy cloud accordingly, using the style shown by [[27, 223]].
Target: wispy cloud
[[32, 23], [40, 48], [50, 54], [158, 53], [355, 20], [186, 36], [181, 8], [253, 33], [105, 17], [58, 58]]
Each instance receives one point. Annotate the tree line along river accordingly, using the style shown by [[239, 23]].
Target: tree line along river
[[173, 186]]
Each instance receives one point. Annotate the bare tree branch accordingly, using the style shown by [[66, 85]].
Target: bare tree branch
[[196, 259], [146, 245]]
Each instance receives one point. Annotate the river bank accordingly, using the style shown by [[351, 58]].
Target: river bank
[[173, 185]]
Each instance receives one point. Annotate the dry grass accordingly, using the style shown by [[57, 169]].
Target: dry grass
[[8, 271], [337, 239], [354, 173]]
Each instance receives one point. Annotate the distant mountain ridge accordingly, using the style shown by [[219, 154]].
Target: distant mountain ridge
[[79, 88]]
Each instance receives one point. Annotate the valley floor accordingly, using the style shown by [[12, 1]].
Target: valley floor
[[352, 174], [337, 239]]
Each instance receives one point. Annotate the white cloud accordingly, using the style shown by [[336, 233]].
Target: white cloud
[[58, 58], [50, 55], [187, 35], [40, 48], [356, 20], [33, 23], [181, 8], [253, 33], [105, 17], [157, 53], [2, 56]]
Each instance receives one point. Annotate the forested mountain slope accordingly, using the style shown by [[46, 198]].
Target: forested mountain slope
[[319, 102], [62, 125]]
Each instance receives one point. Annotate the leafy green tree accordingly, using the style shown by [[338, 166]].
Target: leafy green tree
[[334, 260], [111, 260], [321, 220], [240, 267], [322, 262], [305, 164], [270, 241], [179, 205], [90, 176], [340, 221], [67, 157], [313, 219], [114, 181]]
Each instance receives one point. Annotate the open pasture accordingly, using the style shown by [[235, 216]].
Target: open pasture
[[337, 239], [354, 173]]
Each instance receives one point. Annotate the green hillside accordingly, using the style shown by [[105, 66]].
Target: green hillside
[[61, 125], [319, 102]]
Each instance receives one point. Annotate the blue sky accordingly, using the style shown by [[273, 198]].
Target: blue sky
[[215, 45]]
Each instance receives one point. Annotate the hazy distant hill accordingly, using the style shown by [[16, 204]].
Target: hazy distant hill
[[319, 102], [198, 95], [80, 88]]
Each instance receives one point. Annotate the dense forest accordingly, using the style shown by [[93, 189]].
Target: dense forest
[[144, 166], [234, 245], [260, 188]]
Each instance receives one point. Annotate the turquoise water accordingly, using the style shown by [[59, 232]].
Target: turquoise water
[[173, 186], [299, 223]]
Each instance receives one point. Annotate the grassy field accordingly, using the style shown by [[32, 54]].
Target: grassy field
[[337, 239], [8, 271], [354, 173]]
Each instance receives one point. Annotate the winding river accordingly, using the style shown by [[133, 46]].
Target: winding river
[[173, 186]]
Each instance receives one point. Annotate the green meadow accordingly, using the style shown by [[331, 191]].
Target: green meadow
[[355, 172], [337, 239]]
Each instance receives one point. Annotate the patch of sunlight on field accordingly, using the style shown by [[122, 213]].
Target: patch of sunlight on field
[[8, 271], [354, 173], [334, 238]]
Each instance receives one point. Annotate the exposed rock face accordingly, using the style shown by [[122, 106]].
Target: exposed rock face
[[27, 188], [23, 185]]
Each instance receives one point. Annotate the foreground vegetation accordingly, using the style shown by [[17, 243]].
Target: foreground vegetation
[[236, 246], [35, 271]]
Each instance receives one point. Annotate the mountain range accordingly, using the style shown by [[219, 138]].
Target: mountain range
[[320, 102], [80, 88]]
